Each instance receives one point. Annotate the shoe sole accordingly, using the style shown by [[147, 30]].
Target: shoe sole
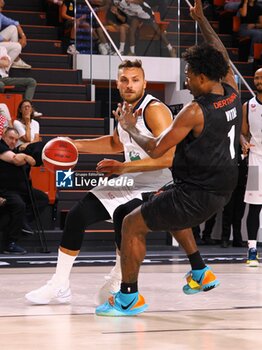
[[252, 264], [205, 288], [60, 300], [116, 313]]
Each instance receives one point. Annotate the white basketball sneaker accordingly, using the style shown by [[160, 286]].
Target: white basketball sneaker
[[112, 285], [51, 292]]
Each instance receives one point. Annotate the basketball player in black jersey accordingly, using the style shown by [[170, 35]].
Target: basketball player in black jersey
[[206, 133]]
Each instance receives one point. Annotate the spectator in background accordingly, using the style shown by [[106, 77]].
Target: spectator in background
[[139, 13], [71, 23], [27, 127], [28, 83], [12, 181], [117, 18], [13, 38], [3, 124], [251, 23], [4, 112]]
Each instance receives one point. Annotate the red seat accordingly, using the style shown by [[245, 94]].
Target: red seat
[[44, 180]]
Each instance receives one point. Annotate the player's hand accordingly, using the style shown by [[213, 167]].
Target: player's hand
[[110, 167], [125, 116], [246, 147], [196, 11]]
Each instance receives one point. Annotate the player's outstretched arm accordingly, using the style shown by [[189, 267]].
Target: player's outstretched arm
[[102, 145], [190, 117], [211, 37], [158, 119]]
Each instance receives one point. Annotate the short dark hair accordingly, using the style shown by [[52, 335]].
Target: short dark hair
[[131, 64], [207, 60], [9, 129]]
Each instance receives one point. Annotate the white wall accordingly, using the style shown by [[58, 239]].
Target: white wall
[[157, 69]]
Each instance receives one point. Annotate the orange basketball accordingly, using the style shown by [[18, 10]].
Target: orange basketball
[[59, 154]]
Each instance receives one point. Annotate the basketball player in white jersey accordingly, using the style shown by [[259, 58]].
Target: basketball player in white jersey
[[100, 203], [251, 140]]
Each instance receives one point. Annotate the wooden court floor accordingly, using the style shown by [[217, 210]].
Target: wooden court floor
[[229, 317]]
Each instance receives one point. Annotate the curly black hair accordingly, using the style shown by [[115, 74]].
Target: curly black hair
[[205, 59]]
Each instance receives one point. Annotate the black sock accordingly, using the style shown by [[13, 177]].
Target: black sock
[[128, 288], [196, 261]]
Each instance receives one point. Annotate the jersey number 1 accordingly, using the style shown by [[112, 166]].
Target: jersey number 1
[[231, 136]]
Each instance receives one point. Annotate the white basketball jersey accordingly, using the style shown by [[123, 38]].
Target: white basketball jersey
[[254, 115], [133, 151], [253, 194]]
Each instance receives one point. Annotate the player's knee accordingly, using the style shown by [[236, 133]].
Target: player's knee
[[129, 224]]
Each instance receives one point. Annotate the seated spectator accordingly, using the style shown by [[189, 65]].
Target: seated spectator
[[27, 127], [14, 187], [251, 23], [13, 38], [117, 18], [71, 24], [3, 124], [4, 111], [11, 181], [28, 83], [137, 15]]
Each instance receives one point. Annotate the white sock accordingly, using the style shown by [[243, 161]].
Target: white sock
[[106, 45], [63, 267], [252, 244], [121, 47], [169, 46], [132, 49], [117, 268]]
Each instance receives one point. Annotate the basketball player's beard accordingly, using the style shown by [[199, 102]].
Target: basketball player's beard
[[259, 88]]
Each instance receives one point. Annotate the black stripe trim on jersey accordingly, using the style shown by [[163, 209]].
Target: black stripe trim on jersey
[[146, 125], [139, 102], [258, 101]]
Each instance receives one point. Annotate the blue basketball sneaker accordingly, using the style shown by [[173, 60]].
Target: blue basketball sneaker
[[252, 258], [117, 305], [200, 281]]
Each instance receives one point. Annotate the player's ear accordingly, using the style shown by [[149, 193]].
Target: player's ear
[[145, 84]]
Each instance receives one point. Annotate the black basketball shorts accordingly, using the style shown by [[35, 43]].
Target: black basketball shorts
[[181, 207]]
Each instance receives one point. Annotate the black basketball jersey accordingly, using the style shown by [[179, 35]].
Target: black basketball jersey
[[210, 160]]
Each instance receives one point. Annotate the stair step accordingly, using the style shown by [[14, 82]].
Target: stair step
[[27, 17], [32, 5], [60, 76], [44, 46], [67, 108], [38, 60], [187, 25], [41, 32], [52, 125]]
